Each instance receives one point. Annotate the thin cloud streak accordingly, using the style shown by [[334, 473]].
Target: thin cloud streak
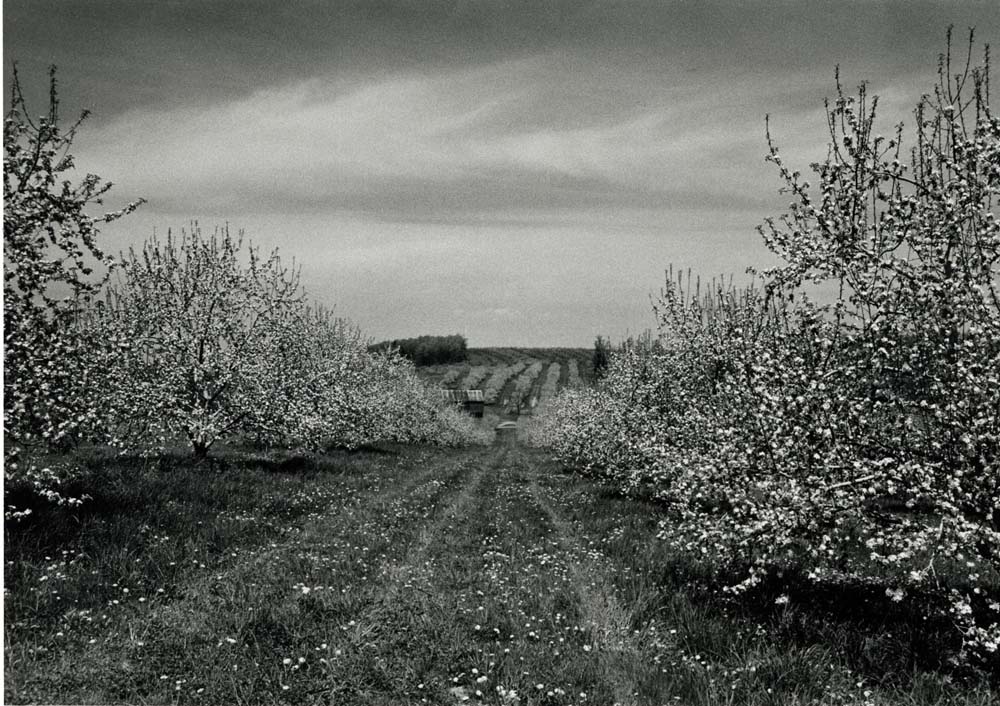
[[444, 144]]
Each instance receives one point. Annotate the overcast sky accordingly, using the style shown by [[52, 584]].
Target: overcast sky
[[519, 172]]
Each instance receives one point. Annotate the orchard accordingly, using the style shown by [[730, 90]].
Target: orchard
[[195, 339], [852, 439]]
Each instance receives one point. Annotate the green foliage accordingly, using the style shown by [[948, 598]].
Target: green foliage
[[428, 350]]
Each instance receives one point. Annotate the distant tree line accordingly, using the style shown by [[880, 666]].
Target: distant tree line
[[428, 350]]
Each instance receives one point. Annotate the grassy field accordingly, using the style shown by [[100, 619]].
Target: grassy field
[[405, 575]]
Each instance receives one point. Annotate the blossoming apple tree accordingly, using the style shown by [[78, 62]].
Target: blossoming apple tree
[[856, 440], [53, 266], [203, 328]]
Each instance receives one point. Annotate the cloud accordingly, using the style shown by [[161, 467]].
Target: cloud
[[121, 54], [432, 162], [461, 112], [474, 141]]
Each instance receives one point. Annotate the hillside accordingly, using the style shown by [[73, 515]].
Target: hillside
[[514, 381]]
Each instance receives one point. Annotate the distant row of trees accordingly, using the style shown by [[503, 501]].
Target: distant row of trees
[[428, 350]]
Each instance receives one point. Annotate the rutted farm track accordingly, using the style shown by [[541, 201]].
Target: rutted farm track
[[473, 575], [408, 576], [424, 577]]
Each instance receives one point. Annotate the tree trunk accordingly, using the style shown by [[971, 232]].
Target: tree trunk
[[200, 448]]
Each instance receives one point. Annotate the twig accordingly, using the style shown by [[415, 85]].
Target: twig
[[862, 479]]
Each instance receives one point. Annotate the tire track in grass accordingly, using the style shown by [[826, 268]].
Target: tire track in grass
[[492, 615], [403, 572], [365, 671], [163, 630], [339, 516], [617, 646], [448, 577], [260, 614], [383, 523]]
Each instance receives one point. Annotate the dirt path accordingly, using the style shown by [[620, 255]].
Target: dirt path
[[496, 600], [616, 644], [422, 576], [401, 576]]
